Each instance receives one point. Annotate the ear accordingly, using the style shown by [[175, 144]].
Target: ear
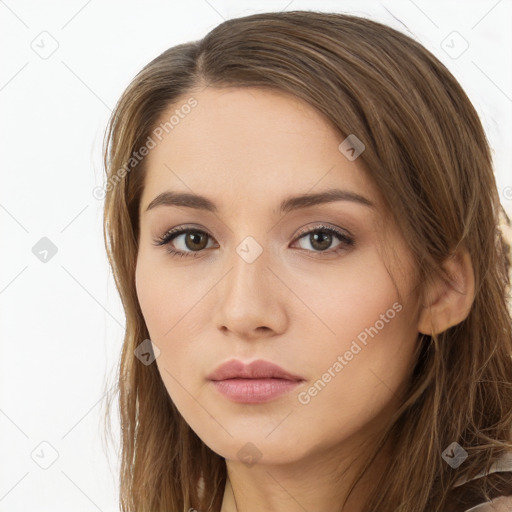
[[448, 303]]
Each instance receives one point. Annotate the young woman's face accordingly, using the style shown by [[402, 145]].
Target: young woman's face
[[251, 282]]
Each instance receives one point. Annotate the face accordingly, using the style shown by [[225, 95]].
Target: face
[[306, 288]]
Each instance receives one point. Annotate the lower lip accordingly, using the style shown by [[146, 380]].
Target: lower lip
[[254, 391]]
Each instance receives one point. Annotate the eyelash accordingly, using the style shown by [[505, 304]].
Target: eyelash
[[174, 233]]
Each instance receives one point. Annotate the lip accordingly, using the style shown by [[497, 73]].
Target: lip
[[259, 369], [257, 382]]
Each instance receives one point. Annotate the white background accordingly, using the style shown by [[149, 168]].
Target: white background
[[61, 320]]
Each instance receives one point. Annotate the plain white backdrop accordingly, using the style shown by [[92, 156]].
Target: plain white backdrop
[[64, 66]]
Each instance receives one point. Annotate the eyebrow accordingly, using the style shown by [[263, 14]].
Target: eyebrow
[[199, 202]]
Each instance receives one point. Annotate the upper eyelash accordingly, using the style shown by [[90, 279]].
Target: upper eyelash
[[174, 233]]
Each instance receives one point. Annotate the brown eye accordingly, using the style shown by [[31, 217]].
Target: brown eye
[[192, 241], [321, 238], [195, 240]]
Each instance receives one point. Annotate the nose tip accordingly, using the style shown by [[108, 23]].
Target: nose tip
[[247, 301]]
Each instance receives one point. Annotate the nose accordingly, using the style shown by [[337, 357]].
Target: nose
[[250, 300]]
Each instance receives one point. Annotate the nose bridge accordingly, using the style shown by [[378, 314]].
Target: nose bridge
[[246, 300], [249, 264]]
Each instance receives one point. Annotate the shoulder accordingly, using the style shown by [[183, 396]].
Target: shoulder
[[503, 464], [501, 504], [499, 477]]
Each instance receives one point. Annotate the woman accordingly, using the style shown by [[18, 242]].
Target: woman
[[302, 220]]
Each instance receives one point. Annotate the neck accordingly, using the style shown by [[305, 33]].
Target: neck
[[320, 483]]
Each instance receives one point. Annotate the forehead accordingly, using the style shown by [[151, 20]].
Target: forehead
[[249, 144]]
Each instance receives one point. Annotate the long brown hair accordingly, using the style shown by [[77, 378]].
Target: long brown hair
[[427, 152]]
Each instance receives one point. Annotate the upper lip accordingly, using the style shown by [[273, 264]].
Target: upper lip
[[259, 369]]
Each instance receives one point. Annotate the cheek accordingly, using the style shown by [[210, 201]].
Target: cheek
[[172, 311], [360, 348], [161, 306], [345, 300], [161, 292], [355, 378], [151, 295]]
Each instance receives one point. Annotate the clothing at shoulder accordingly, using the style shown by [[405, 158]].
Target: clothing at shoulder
[[501, 504], [504, 463]]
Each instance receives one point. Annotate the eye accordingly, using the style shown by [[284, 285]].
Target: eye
[[320, 238], [193, 239]]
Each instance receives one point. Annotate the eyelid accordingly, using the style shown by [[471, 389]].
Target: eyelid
[[179, 230], [322, 225]]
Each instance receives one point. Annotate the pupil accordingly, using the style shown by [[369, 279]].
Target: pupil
[[194, 238], [326, 240]]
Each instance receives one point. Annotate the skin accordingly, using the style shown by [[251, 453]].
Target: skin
[[247, 149]]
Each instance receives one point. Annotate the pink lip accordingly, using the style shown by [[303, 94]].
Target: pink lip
[[260, 369], [259, 381], [251, 391]]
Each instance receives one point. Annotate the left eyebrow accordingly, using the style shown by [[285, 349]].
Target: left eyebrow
[[199, 202], [327, 196]]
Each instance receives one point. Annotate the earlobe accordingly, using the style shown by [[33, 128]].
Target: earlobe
[[448, 302]]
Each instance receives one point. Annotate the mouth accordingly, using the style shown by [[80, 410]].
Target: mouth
[[254, 390], [257, 382]]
